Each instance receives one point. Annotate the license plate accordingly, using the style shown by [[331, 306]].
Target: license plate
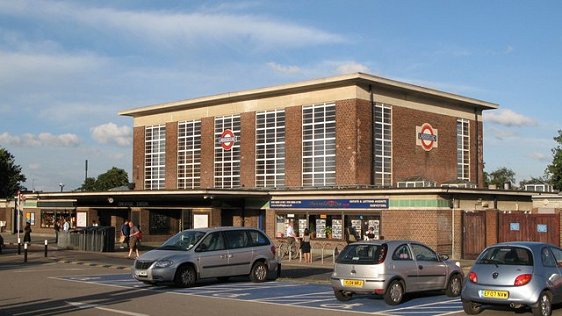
[[142, 273], [494, 294], [353, 283]]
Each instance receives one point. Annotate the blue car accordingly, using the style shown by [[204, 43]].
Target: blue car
[[515, 274]]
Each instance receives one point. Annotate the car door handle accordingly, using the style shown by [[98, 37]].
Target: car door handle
[[229, 256]]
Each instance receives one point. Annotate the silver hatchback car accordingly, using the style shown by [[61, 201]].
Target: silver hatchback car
[[220, 252], [515, 274], [393, 268]]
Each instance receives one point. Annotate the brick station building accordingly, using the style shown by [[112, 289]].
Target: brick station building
[[336, 155]]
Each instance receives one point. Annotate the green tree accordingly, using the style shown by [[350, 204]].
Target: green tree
[[114, 177], [89, 185], [10, 175], [555, 168], [533, 180], [501, 176]]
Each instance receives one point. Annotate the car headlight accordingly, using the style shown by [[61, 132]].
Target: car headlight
[[163, 263]]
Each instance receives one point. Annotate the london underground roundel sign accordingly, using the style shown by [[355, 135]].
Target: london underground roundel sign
[[227, 139], [426, 136]]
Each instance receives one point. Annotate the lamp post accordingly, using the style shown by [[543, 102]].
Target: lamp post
[[61, 185]]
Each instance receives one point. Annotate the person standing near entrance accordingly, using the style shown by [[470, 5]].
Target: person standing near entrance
[[56, 226], [305, 246], [133, 240]]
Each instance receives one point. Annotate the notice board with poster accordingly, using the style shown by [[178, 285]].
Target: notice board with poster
[[337, 229], [320, 228]]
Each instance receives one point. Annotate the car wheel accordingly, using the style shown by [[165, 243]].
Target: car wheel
[[454, 287], [544, 305], [223, 279], [342, 296], [471, 308], [395, 293], [185, 276], [259, 272]]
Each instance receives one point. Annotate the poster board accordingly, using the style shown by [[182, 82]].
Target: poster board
[[200, 220], [320, 228], [81, 219], [337, 229]]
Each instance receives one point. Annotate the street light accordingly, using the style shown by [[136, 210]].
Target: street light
[[61, 185]]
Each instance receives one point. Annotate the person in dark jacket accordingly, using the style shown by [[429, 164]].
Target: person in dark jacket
[[27, 233]]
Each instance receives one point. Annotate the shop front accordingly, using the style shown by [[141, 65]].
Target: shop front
[[329, 221]]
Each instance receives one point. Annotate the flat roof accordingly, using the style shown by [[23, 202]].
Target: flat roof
[[303, 86]]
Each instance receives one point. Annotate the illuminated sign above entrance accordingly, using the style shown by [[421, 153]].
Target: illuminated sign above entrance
[[331, 204], [426, 136], [227, 139]]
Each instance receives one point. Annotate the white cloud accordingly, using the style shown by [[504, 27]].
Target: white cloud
[[284, 69], [111, 133], [507, 117], [352, 67], [539, 156], [173, 29], [501, 134], [42, 139]]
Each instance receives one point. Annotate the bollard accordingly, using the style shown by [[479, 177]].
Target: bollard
[[46, 242], [19, 246], [25, 252]]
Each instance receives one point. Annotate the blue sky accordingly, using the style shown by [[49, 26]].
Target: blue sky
[[68, 67]]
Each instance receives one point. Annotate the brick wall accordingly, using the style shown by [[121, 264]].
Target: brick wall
[[427, 226], [293, 146], [138, 157], [248, 149], [438, 164], [207, 152], [171, 156], [353, 142]]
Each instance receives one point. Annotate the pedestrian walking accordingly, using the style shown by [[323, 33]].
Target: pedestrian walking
[[125, 232], [27, 233], [134, 240]]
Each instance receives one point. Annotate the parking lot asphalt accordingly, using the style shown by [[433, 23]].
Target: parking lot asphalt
[[295, 270]]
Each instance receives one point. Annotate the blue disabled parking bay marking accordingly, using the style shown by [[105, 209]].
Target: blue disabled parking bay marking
[[287, 293]]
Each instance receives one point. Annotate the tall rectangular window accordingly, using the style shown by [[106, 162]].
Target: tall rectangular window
[[383, 145], [463, 150], [155, 157], [319, 145], [270, 148], [189, 154], [227, 153]]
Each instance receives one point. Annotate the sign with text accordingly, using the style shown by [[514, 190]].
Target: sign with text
[[426, 136], [375, 204]]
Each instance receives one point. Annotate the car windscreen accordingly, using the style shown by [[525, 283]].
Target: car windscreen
[[508, 255], [184, 240], [363, 254]]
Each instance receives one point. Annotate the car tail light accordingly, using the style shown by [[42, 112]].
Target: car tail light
[[382, 254], [473, 277], [522, 279], [273, 250]]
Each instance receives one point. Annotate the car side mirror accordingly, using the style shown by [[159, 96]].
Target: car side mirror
[[443, 257], [201, 248]]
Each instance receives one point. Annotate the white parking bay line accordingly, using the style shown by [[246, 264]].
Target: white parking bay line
[[85, 305], [436, 308]]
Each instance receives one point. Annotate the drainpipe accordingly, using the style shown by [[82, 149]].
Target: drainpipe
[[372, 99], [477, 148]]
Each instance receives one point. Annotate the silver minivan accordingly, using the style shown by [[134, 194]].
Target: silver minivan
[[392, 269], [219, 252]]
